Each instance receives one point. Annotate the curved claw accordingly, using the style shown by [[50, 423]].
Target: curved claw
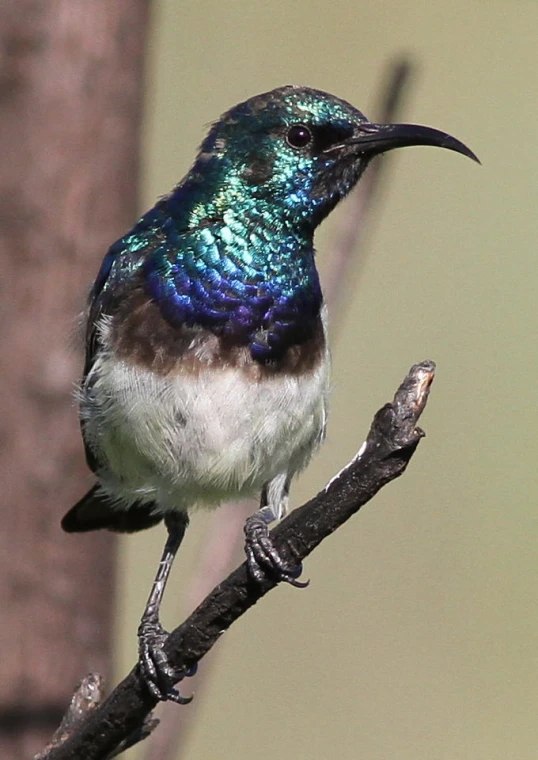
[[173, 695], [263, 558], [294, 573]]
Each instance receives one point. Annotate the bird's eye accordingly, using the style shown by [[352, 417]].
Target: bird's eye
[[299, 136]]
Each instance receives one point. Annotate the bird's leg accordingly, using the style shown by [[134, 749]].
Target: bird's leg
[[263, 558], [154, 667]]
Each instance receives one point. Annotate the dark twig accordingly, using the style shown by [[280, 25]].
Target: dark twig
[[391, 441], [149, 724], [88, 695]]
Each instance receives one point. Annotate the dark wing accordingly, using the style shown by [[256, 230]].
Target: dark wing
[[102, 300], [122, 262], [96, 302], [120, 265], [117, 268], [95, 511]]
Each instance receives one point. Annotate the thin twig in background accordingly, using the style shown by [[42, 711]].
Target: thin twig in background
[[224, 539], [391, 442], [355, 221]]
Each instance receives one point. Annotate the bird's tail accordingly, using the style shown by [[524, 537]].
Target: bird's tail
[[95, 511]]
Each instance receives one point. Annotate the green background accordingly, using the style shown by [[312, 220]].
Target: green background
[[417, 636]]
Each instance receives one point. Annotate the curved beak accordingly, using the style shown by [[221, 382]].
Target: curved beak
[[370, 139]]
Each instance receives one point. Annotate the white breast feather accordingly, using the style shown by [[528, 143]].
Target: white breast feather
[[199, 438]]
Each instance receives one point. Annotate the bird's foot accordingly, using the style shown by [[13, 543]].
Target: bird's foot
[[263, 559], [158, 674]]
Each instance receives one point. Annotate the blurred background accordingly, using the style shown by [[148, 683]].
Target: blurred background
[[417, 637]]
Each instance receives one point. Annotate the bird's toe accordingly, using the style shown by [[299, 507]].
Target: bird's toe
[[263, 558], [159, 676]]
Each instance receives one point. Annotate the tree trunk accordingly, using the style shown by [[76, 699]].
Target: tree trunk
[[70, 103]]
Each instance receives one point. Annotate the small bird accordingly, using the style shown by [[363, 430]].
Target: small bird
[[207, 370]]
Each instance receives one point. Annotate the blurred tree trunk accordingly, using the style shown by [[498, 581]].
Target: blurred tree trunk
[[70, 104]]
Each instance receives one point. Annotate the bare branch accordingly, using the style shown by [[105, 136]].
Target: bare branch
[[391, 442], [88, 695], [149, 724]]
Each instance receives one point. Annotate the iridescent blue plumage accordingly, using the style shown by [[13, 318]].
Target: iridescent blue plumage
[[265, 295], [231, 248]]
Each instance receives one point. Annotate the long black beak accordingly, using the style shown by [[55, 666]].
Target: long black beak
[[370, 139]]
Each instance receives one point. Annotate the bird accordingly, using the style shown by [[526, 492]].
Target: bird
[[206, 373]]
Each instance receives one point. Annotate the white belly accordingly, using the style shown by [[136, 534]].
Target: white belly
[[186, 439]]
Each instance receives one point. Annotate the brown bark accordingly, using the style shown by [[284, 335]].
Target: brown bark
[[70, 97]]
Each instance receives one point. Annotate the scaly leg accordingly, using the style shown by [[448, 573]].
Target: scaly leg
[[153, 664]]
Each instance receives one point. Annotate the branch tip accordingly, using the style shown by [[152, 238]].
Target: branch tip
[[412, 394]]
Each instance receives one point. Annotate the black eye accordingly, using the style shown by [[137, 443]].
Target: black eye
[[299, 136]]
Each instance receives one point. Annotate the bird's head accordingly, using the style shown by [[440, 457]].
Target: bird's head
[[294, 152]]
